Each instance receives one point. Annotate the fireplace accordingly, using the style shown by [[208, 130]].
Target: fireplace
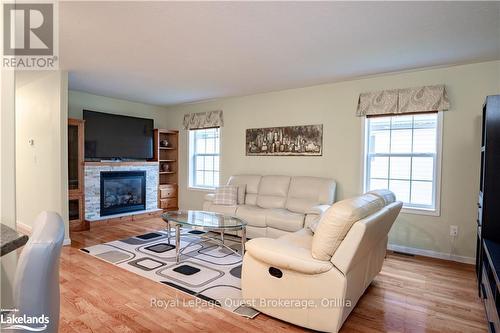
[[122, 191]]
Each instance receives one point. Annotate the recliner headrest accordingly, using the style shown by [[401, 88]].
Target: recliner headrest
[[386, 195]]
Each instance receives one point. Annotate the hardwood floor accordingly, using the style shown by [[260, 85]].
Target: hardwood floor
[[411, 294]]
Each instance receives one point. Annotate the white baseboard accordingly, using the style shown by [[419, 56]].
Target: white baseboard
[[26, 229], [432, 254]]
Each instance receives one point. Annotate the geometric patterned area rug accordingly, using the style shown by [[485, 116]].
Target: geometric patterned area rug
[[206, 270]]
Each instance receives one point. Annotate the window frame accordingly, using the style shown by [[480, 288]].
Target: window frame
[[436, 211], [191, 160]]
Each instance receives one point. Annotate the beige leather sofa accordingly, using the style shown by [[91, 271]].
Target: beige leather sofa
[[274, 206], [277, 271]]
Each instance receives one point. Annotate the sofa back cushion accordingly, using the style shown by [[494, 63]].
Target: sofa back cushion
[[273, 191], [338, 219], [251, 183], [306, 192], [242, 189]]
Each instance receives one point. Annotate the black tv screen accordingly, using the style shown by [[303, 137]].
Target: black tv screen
[[110, 136]]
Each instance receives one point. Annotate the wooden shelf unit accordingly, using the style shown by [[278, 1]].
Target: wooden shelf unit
[[168, 197], [76, 190]]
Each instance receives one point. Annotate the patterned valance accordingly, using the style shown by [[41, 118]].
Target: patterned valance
[[201, 120], [379, 102], [398, 101]]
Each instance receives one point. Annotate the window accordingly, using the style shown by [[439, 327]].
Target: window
[[204, 158], [403, 155]]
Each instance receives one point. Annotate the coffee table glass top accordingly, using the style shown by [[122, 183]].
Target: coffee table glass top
[[209, 220]]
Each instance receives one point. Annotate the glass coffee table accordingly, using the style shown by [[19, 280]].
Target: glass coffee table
[[205, 221]]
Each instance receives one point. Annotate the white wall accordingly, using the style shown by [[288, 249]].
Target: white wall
[[7, 181], [7, 149], [334, 106], [79, 101], [41, 168]]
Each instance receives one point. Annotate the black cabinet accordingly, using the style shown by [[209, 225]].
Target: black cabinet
[[488, 213]]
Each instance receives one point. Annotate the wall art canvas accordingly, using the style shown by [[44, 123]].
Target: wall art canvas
[[304, 140]]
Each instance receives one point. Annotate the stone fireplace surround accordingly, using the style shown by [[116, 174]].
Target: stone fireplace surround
[[92, 182]]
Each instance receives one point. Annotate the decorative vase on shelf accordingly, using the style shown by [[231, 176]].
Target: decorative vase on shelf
[[164, 143], [165, 167]]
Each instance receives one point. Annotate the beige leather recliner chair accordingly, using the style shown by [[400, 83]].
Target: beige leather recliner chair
[[288, 268]]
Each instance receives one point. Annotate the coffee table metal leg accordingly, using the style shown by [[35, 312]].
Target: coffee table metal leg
[[243, 240], [222, 236], [168, 232], [177, 242]]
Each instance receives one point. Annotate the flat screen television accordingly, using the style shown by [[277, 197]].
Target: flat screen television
[[111, 136]]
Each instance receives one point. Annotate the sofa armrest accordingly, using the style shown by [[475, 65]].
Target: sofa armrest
[[209, 197], [317, 210], [284, 255]]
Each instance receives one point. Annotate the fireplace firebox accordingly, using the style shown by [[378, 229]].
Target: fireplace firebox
[[122, 191]]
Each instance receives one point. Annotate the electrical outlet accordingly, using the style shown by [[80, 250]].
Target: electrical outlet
[[453, 230]]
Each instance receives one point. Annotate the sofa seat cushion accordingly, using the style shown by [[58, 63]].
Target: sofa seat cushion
[[253, 215], [338, 220], [283, 219], [281, 253]]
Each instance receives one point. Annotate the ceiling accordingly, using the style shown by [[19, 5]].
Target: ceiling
[[168, 53]]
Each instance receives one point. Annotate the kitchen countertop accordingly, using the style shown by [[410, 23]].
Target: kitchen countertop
[[10, 239]]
